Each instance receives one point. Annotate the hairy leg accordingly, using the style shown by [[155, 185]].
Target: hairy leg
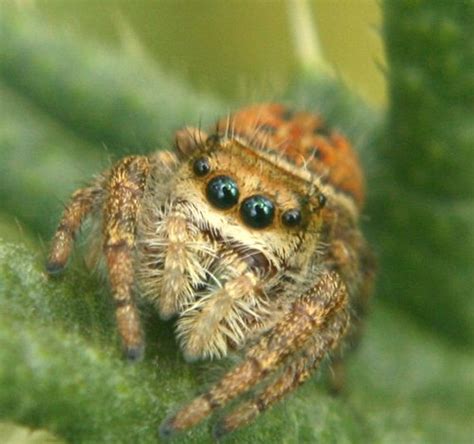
[[81, 204], [124, 188], [308, 315], [353, 259], [293, 375]]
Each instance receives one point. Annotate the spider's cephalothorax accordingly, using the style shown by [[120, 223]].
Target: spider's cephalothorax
[[248, 237]]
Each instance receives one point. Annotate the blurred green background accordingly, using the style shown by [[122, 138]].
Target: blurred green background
[[234, 47], [85, 82]]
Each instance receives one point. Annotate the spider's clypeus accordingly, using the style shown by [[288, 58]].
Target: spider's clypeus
[[249, 237]]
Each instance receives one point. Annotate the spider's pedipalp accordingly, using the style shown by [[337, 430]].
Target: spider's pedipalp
[[221, 315], [309, 315]]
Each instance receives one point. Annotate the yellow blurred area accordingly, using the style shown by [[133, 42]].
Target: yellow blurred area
[[233, 47]]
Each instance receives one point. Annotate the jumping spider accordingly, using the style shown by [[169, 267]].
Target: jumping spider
[[249, 237]]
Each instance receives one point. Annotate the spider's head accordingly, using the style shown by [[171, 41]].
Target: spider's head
[[250, 199]]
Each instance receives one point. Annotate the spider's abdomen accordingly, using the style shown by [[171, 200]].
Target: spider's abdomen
[[304, 140]]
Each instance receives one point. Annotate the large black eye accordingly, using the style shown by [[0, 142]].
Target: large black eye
[[291, 218], [201, 166], [222, 192], [257, 211]]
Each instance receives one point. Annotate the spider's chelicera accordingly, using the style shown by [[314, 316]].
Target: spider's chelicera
[[248, 238]]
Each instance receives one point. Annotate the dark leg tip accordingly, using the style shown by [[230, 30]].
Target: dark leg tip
[[220, 430], [54, 268], [135, 353], [166, 429]]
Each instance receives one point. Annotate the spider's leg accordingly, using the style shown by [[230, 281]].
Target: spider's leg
[[324, 341], [307, 315], [125, 187], [81, 204], [353, 260]]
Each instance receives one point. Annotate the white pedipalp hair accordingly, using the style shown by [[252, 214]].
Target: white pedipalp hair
[[216, 319]]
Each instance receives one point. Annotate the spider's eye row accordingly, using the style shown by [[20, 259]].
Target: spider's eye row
[[201, 166], [222, 192], [291, 218], [257, 211]]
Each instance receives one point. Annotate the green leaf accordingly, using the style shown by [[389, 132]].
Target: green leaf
[[15, 434], [65, 373]]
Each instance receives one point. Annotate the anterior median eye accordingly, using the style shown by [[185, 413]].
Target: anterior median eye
[[257, 211], [222, 192]]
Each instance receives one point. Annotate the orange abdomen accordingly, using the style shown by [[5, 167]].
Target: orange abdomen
[[305, 140]]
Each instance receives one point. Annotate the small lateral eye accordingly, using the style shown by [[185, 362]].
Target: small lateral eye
[[291, 218], [222, 192], [257, 211], [213, 140], [322, 199], [201, 166]]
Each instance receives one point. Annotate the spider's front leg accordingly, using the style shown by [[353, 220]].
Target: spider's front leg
[[313, 327], [295, 374]]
